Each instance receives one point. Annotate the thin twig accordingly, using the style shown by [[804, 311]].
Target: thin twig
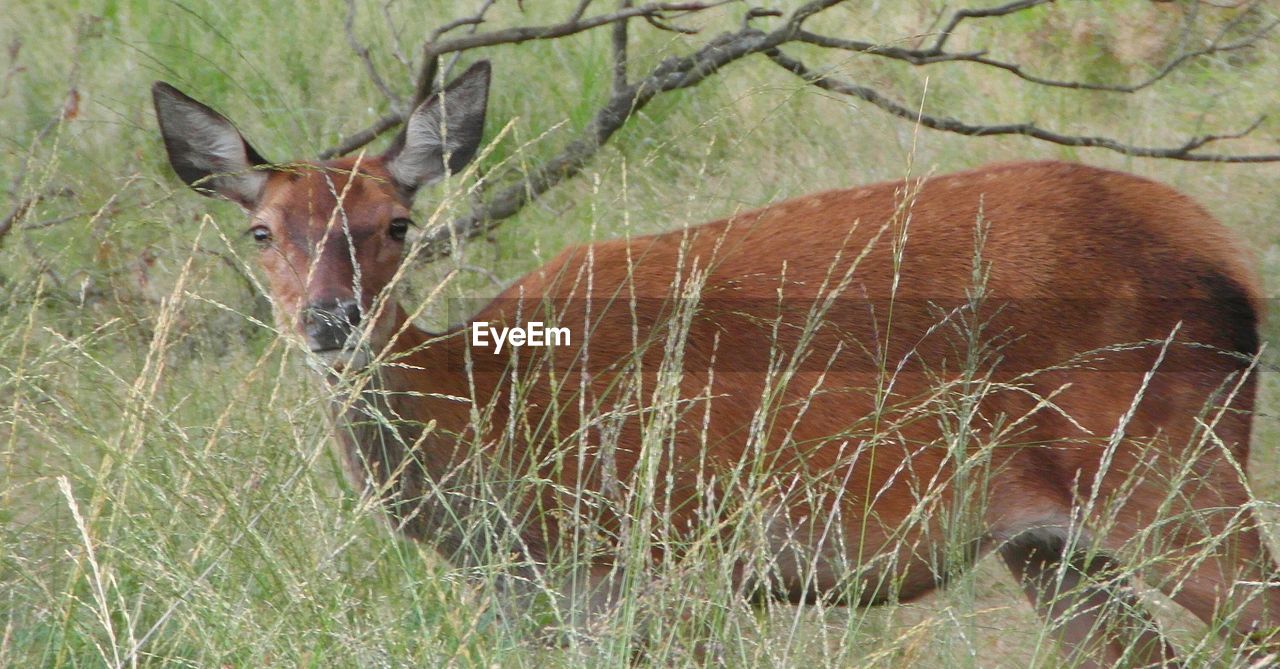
[[674, 73], [626, 97], [15, 48], [434, 48], [1186, 151], [44, 267], [471, 30], [352, 142], [576, 24], [69, 109], [428, 73], [86, 27], [231, 262], [758, 13], [24, 206], [669, 27], [431, 67], [928, 57], [935, 55], [111, 210], [348, 26], [963, 14], [619, 43], [397, 46], [473, 20], [488, 274], [579, 10]]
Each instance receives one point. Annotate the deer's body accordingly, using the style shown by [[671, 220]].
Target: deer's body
[[1115, 323]]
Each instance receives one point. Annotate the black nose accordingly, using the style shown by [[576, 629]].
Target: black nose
[[330, 325]]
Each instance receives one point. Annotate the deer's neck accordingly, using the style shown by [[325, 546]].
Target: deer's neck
[[399, 425], [404, 430]]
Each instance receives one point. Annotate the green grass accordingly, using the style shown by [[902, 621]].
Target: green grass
[[139, 393]]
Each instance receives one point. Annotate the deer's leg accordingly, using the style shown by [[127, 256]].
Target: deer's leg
[[1100, 622], [1205, 551]]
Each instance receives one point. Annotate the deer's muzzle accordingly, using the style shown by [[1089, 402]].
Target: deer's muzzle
[[332, 325]]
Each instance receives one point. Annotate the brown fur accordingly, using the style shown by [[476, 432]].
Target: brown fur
[[1078, 259]]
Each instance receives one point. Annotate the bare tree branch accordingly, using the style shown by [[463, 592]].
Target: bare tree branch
[[393, 119], [434, 48], [935, 54], [473, 20], [669, 27], [348, 26], [929, 57], [757, 13], [580, 10], [514, 189], [576, 24], [472, 24], [619, 39], [963, 14], [1184, 152], [397, 46], [352, 142], [671, 74]]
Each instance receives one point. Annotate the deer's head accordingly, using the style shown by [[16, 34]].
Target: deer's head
[[331, 234]]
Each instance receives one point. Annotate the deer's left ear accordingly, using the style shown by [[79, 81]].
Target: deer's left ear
[[206, 150], [443, 133]]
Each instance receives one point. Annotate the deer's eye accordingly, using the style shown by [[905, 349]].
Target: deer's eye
[[399, 228], [261, 234]]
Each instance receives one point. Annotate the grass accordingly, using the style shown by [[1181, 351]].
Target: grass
[[167, 480]]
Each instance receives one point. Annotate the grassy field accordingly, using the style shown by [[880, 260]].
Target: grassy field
[[166, 480]]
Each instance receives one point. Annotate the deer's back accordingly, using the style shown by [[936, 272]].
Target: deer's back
[[1042, 293]]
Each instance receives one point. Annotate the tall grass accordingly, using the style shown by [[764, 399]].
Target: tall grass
[[169, 495]]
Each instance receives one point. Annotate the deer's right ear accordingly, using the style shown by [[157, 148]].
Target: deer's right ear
[[442, 135], [206, 150]]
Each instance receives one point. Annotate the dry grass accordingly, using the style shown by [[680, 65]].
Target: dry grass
[[165, 476]]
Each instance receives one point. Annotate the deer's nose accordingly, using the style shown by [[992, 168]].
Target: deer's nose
[[331, 324]]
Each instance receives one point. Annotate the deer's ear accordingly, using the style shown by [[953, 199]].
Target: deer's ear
[[442, 134], [206, 150]]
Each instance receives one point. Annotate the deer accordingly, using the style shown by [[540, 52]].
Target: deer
[[1114, 413]]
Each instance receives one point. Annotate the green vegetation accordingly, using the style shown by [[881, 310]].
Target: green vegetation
[[166, 479]]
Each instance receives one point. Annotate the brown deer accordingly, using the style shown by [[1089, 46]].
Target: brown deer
[[1057, 355]]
